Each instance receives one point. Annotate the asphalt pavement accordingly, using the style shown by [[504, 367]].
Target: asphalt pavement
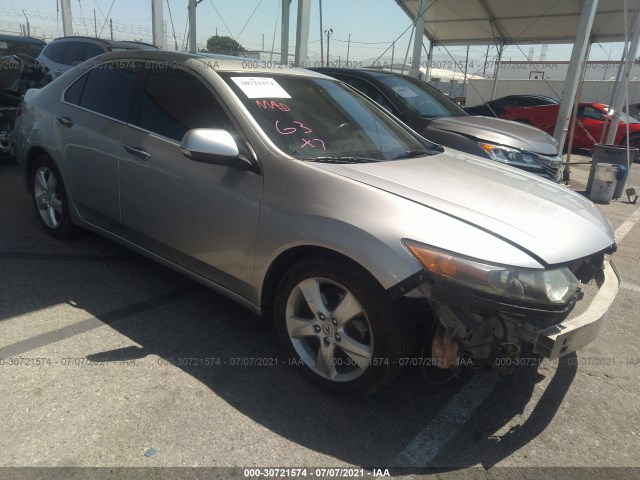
[[110, 360]]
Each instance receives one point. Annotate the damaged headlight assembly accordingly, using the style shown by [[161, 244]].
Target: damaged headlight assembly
[[555, 286]]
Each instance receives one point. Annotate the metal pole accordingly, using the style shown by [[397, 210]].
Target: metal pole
[[486, 59], [302, 32], [111, 27], [427, 73], [28, 26], [566, 173], [67, 25], [466, 62], [348, 47], [417, 40], [613, 94], [573, 75], [329, 32], [393, 51], [619, 98], [192, 26], [156, 23], [95, 24], [284, 35], [404, 64], [497, 70], [321, 42]]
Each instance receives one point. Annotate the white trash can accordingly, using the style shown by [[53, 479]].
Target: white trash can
[[604, 183]]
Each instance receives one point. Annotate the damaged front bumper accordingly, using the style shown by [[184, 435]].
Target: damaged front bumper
[[475, 330], [571, 335]]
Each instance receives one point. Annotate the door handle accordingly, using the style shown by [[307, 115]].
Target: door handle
[[64, 121], [139, 152]]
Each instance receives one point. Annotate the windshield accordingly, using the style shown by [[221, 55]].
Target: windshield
[[320, 119], [420, 98]]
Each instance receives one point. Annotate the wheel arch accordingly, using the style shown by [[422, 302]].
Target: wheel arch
[[293, 255], [29, 158]]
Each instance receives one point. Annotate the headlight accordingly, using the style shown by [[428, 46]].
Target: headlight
[[510, 156], [542, 286]]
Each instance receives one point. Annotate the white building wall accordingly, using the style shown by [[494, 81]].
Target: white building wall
[[592, 91]]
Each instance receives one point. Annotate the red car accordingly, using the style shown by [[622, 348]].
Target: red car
[[591, 118]]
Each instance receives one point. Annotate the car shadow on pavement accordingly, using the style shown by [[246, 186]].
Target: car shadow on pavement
[[168, 316], [364, 432]]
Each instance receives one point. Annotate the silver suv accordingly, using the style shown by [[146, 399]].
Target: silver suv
[[65, 53], [304, 201]]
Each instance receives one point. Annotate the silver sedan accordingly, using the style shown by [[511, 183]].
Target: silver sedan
[[299, 198]]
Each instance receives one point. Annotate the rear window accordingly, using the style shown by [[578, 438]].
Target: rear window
[[93, 50], [75, 53], [55, 52]]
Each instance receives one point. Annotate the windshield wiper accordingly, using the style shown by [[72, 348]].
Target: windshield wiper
[[338, 159], [413, 154]]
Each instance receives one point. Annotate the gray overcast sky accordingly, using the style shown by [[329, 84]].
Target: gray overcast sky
[[374, 23]]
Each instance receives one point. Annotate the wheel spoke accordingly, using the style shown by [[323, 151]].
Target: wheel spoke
[[41, 202], [325, 362], [348, 308], [52, 183], [358, 352], [41, 178], [310, 288], [52, 216], [56, 203], [300, 327]]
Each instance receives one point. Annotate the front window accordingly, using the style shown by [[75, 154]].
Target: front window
[[420, 98], [320, 119]]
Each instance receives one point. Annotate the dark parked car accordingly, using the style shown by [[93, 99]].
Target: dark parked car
[[441, 120], [66, 52], [494, 108]]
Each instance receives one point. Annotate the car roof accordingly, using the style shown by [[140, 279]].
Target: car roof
[[222, 63], [23, 40], [123, 44], [363, 72]]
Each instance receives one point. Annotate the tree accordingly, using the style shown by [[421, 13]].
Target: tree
[[224, 45]]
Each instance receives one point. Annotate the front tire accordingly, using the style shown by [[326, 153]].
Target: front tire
[[50, 198], [340, 326]]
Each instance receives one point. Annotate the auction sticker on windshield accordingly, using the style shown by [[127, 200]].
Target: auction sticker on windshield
[[260, 87]]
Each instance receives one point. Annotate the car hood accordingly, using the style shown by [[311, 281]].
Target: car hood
[[547, 221], [499, 131]]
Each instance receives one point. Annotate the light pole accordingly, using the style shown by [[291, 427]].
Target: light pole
[[328, 33]]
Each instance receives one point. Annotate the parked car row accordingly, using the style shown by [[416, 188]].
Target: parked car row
[[299, 197], [441, 120], [541, 112]]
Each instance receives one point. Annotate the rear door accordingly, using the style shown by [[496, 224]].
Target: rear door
[[89, 127], [201, 216]]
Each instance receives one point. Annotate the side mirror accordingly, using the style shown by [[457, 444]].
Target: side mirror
[[214, 146]]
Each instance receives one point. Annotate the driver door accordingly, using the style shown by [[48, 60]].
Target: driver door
[[201, 216]]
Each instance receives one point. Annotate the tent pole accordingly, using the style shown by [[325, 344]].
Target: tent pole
[[573, 75]]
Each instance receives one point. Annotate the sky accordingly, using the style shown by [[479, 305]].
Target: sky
[[373, 26]]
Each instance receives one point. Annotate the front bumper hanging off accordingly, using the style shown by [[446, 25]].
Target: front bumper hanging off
[[571, 335]]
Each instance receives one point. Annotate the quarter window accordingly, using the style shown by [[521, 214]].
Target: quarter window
[[175, 101]]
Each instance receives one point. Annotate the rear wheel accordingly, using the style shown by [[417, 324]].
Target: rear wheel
[[340, 326], [50, 198], [634, 140]]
